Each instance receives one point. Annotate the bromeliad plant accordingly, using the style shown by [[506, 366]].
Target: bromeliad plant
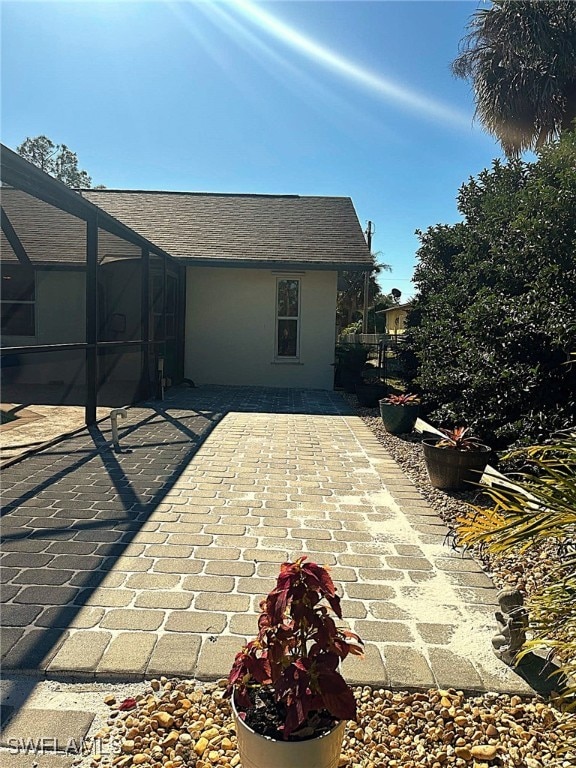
[[399, 412], [295, 657], [459, 439], [455, 459], [403, 399]]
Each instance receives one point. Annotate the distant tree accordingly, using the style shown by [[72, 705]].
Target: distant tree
[[520, 56], [350, 301], [56, 159], [376, 318]]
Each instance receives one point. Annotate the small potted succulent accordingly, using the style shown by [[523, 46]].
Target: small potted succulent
[[289, 700], [399, 413], [456, 460]]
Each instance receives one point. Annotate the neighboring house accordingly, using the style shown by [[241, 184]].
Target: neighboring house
[[396, 318], [228, 289]]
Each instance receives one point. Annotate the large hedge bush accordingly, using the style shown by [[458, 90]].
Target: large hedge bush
[[493, 327]]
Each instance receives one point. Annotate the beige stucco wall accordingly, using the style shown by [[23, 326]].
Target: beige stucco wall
[[60, 307], [60, 319], [230, 328]]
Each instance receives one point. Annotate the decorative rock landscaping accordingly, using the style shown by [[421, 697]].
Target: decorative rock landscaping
[[177, 723]]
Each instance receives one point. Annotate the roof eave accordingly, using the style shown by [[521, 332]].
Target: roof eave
[[292, 266]]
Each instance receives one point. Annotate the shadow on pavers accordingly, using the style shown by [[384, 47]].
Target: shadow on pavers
[[87, 503]]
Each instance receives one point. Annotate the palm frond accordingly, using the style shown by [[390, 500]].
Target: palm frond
[[539, 506], [521, 59]]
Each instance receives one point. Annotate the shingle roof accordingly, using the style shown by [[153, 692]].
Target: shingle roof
[[220, 229], [52, 236]]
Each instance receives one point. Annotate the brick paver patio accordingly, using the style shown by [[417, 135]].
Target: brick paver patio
[[153, 560]]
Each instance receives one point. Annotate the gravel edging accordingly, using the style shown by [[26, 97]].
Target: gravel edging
[[184, 724], [525, 573]]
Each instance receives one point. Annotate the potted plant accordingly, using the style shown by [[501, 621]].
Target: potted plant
[[351, 360], [371, 389], [289, 700], [455, 460], [399, 413]]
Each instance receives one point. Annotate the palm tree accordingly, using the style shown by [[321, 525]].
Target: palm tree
[[351, 293], [521, 58]]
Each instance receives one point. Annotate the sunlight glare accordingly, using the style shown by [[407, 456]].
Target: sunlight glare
[[384, 86]]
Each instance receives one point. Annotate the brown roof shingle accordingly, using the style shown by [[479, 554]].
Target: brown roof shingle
[[219, 229]]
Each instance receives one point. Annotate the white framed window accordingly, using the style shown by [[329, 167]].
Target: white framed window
[[287, 345]]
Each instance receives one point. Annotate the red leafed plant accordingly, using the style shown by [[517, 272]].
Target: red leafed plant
[[459, 439], [402, 399], [294, 659]]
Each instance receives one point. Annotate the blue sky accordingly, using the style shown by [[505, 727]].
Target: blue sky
[[309, 97]]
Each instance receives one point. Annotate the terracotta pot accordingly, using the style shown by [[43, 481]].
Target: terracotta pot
[[452, 469], [398, 419], [257, 751]]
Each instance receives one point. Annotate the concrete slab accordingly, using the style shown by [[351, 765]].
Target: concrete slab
[[11, 760]]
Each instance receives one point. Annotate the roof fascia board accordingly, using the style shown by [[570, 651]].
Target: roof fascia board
[[283, 266]]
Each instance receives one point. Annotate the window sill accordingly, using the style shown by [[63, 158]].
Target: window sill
[[288, 361]]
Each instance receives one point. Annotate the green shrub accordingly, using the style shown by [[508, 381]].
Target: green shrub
[[494, 321]]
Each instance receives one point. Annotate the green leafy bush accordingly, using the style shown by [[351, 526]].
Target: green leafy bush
[[494, 321]]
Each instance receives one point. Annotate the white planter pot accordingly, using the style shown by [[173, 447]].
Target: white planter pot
[[258, 751]]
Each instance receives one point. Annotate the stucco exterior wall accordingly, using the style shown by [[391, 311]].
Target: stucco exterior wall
[[60, 307], [231, 326], [60, 318]]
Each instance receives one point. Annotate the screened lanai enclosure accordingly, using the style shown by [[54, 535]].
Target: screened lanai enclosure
[[92, 312]]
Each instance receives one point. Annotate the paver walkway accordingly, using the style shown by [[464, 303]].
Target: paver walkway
[[153, 560]]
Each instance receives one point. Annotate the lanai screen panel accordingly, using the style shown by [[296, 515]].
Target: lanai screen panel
[[43, 267]]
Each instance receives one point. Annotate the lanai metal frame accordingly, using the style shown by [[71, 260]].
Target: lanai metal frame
[[20, 174]]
